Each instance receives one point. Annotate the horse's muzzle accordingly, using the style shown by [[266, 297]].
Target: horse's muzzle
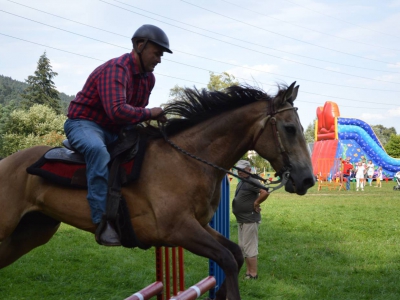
[[299, 187]]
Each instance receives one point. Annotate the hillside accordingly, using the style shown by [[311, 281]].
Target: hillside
[[11, 89]]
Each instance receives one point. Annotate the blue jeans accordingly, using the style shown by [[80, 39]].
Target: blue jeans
[[347, 182], [91, 140]]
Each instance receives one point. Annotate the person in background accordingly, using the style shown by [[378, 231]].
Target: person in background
[[114, 97], [360, 173], [370, 171], [347, 167], [379, 177], [364, 164], [246, 208]]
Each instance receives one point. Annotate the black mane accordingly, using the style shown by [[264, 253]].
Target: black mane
[[199, 105]]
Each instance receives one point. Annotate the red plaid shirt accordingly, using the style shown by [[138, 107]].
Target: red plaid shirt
[[114, 95]]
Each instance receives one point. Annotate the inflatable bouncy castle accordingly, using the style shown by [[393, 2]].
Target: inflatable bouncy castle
[[340, 139]]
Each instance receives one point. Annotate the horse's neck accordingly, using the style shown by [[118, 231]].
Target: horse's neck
[[224, 139]]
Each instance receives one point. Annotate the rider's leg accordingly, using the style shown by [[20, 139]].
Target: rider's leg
[[91, 140]]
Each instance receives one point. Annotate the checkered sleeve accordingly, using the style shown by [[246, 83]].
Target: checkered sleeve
[[112, 91]]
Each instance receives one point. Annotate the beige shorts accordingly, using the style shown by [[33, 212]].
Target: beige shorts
[[248, 238]]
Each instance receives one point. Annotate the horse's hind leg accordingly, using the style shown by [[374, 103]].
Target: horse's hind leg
[[34, 229]]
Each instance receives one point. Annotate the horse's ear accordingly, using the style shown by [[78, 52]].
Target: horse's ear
[[295, 92], [290, 94]]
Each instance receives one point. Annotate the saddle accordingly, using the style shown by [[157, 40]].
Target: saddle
[[67, 167]]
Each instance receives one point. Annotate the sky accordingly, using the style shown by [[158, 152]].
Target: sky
[[345, 51]]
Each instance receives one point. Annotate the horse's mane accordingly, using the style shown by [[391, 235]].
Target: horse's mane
[[196, 106]]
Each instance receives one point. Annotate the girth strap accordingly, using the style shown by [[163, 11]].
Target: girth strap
[[128, 145], [114, 189]]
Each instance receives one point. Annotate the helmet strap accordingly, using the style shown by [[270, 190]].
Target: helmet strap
[[139, 52], [141, 63]]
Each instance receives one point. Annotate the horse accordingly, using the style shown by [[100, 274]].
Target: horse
[[176, 195]]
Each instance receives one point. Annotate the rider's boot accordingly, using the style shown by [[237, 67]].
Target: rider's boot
[[106, 234]]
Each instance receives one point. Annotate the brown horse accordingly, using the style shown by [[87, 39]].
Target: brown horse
[[176, 195]]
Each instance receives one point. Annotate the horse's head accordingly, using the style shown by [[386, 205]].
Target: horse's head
[[280, 139], [253, 120]]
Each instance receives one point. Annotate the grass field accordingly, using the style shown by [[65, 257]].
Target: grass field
[[324, 245]]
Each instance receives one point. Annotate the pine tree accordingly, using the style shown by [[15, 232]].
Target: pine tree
[[41, 88]]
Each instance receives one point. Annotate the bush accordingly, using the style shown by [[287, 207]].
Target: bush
[[40, 125]]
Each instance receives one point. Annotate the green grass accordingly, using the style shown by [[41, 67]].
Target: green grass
[[324, 245]]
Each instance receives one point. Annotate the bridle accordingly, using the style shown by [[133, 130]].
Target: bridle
[[283, 174], [271, 112]]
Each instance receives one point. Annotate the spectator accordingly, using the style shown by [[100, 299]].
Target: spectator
[[379, 177], [246, 208], [347, 167], [360, 172], [370, 171]]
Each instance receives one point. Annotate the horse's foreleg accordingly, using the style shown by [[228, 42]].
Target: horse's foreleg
[[199, 241], [236, 252], [34, 229]]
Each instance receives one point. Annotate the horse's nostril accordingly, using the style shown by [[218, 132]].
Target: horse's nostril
[[309, 182]]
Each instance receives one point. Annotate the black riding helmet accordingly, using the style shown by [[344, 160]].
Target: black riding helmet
[[150, 33]]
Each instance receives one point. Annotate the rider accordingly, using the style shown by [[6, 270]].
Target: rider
[[114, 96]]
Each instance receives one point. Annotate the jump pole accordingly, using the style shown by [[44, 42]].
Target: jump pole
[[148, 292], [164, 274], [196, 290], [170, 271]]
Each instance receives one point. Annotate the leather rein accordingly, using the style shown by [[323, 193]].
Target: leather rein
[[283, 174]]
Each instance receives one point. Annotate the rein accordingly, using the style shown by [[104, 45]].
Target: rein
[[283, 174]]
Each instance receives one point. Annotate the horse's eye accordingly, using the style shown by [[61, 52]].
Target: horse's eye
[[290, 130]]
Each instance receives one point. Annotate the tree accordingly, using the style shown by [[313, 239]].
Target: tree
[[393, 146], [176, 93], [383, 133], [216, 83], [5, 111], [40, 125], [222, 81], [309, 134], [257, 161], [11, 90], [41, 88]]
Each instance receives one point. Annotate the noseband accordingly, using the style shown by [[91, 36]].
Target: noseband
[[283, 174]]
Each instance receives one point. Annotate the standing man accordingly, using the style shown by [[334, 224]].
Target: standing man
[[114, 96], [246, 208], [347, 167]]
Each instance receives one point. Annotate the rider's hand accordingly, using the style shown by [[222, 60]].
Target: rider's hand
[[162, 119], [157, 113]]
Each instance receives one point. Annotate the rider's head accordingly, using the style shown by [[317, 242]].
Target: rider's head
[[150, 43]]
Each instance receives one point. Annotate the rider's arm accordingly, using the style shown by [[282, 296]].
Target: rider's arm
[[113, 89]]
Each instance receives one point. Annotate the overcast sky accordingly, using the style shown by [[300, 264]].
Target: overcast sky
[[346, 51]]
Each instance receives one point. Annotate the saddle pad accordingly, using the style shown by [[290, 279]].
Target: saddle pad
[[73, 174]]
